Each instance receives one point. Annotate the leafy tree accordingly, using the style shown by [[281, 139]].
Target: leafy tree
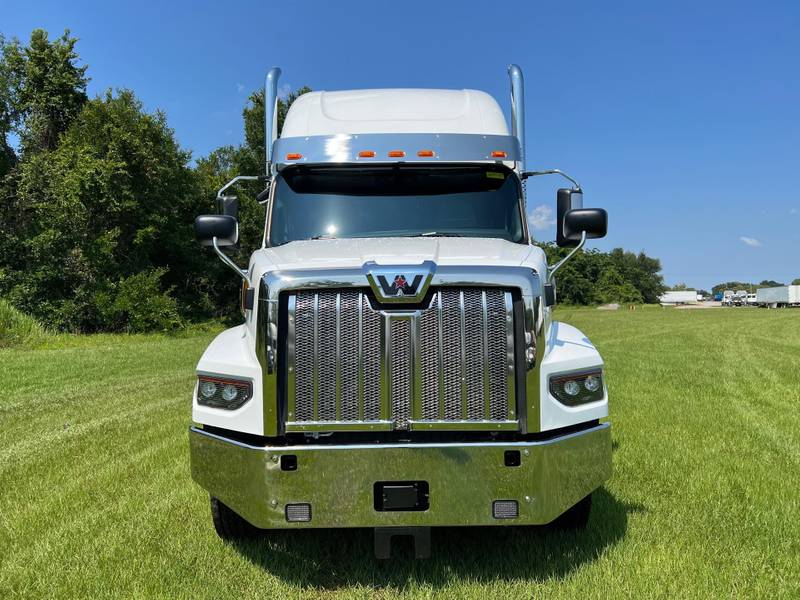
[[114, 199], [796, 281], [612, 287], [732, 285], [592, 277], [49, 88], [741, 285], [7, 155], [641, 271]]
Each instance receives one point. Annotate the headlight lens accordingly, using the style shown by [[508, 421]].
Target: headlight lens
[[208, 389], [592, 383], [574, 389], [223, 392]]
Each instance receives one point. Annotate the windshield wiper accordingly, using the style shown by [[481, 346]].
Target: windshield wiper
[[439, 234], [323, 236]]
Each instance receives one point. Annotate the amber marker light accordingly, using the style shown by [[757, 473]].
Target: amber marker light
[[425, 154], [498, 154], [396, 153], [294, 156], [366, 154]]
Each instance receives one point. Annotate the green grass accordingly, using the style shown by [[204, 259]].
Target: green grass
[[96, 497], [17, 329]]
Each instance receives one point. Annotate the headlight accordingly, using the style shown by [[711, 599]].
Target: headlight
[[222, 392], [574, 389]]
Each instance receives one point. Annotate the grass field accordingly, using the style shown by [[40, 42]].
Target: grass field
[[96, 498]]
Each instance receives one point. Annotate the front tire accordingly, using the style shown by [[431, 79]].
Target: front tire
[[576, 517], [228, 525]]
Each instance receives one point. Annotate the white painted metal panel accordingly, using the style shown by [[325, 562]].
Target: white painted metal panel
[[394, 111]]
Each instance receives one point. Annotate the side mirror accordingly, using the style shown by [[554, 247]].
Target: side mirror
[[229, 205], [566, 200], [223, 227], [594, 221]]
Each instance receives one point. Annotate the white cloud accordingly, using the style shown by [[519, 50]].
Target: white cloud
[[793, 211], [541, 217], [753, 242], [240, 87]]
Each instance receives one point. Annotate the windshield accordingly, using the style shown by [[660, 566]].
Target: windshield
[[396, 200]]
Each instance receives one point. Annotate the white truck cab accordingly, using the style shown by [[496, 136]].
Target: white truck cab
[[398, 366]]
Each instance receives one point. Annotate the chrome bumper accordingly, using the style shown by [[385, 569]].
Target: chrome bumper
[[464, 479]]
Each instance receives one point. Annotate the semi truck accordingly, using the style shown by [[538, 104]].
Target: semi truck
[[398, 366]]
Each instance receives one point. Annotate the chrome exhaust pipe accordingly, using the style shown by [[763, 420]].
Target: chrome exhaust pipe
[[518, 110], [270, 114]]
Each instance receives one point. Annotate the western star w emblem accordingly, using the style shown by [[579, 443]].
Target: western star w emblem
[[399, 283]]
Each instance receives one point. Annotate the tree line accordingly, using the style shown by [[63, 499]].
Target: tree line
[[97, 201]]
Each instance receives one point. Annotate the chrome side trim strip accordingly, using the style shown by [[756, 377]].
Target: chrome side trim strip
[[291, 367], [510, 354]]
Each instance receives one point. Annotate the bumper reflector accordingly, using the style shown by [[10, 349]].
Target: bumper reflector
[[504, 509], [298, 512]]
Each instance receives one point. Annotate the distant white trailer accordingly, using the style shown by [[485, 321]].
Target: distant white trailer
[[681, 297], [773, 297]]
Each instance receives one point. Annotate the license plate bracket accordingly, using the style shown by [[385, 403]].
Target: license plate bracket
[[401, 495]]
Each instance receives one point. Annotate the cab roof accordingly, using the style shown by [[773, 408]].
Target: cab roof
[[394, 111]]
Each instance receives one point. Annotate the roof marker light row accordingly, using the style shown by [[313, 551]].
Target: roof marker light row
[[395, 154]]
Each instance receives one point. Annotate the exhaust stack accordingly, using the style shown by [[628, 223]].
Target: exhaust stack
[[518, 110], [270, 115]]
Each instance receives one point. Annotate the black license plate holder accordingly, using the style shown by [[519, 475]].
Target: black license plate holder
[[401, 495]]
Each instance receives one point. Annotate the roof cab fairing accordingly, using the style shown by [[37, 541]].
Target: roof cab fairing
[[394, 111]]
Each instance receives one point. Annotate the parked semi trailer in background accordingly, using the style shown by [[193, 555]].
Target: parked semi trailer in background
[[774, 297], [678, 297], [399, 366]]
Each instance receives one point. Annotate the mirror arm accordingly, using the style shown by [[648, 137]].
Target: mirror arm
[[527, 174], [551, 269], [235, 180], [226, 259]]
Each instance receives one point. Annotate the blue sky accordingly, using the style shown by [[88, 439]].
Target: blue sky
[[682, 119]]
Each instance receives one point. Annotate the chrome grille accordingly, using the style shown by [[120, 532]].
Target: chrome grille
[[400, 369], [447, 366]]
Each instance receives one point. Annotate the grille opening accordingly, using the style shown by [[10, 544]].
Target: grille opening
[[449, 362]]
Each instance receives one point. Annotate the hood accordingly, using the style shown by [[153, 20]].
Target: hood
[[353, 253]]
